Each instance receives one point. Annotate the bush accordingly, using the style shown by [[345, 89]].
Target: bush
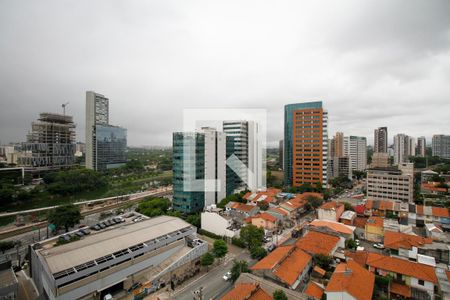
[[209, 234]]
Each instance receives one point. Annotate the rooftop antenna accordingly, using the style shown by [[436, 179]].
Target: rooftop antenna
[[64, 107]]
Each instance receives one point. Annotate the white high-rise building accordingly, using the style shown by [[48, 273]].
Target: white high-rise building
[[248, 149], [441, 145], [404, 147], [215, 165], [355, 147]]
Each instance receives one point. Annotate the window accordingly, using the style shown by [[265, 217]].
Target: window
[[421, 282]]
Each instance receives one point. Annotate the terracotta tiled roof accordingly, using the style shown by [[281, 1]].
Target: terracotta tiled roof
[[316, 242], [338, 227], [440, 212], [396, 240], [248, 194], [314, 290], [360, 222], [265, 216], [359, 209], [375, 221], [247, 291], [358, 256], [433, 187], [331, 205], [400, 289], [244, 207], [319, 270], [380, 204], [286, 262], [353, 279], [448, 275], [278, 211], [402, 266], [294, 265], [293, 203], [271, 260]]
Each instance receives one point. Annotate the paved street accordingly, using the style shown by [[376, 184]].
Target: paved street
[[212, 282]]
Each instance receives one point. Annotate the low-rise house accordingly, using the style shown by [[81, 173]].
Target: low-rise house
[[374, 229], [287, 265], [268, 196], [331, 211], [360, 227], [420, 215], [404, 245], [410, 278], [278, 213], [241, 210], [350, 281], [319, 243], [294, 206], [433, 188], [268, 286], [345, 231], [436, 233], [220, 224], [379, 207], [264, 220], [348, 217], [247, 291], [314, 290]]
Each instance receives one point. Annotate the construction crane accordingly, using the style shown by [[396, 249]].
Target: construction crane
[[64, 107]]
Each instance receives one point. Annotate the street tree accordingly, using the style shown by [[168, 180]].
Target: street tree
[[252, 236], [239, 267], [207, 259], [220, 248], [65, 216], [279, 295]]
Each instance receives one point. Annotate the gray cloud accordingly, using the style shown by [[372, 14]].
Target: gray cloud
[[373, 63]]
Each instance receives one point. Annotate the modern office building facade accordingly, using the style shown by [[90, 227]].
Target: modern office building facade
[[381, 140], [404, 147], [394, 183], [336, 145], [105, 144], [50, 144], [200, 174], [188, 170], [248, 149], [281, 154], [421, 146], [152, 252], [355, 147], [440, 145], [380, 160], [305, 143]]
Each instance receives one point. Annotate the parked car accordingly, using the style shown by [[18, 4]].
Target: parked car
[[96, 227], [271, 247], [102, 225], [378, 246], [85, 231], [227, 276], [79, 233]]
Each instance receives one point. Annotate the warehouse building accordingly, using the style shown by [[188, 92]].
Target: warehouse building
[[153, 253]]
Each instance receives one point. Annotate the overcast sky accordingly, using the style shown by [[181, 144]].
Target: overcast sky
[[372, 63]]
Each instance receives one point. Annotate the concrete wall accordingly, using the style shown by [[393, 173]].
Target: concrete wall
[[217, 224]]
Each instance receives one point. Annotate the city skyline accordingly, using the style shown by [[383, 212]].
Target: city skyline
[[161, 56]]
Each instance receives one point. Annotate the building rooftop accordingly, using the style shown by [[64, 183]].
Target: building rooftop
[[359, 257], [338, 227], [265, 216], [247, 291], [375, 221], [105, 242], [402, 266], [396, 240], [318, 243], [350, 277], [348, 215], [314, 290], [331, 205], [380, 204]]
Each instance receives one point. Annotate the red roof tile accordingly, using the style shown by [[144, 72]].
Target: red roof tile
[[375, 221], [314, 290], [360, 222], [353, 279], [358, 256], [400, 289], [440, 212], [402, 266], [247, 291], [316, 242], [265, 216], [331, 205], [338, 227], [396, 240]]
